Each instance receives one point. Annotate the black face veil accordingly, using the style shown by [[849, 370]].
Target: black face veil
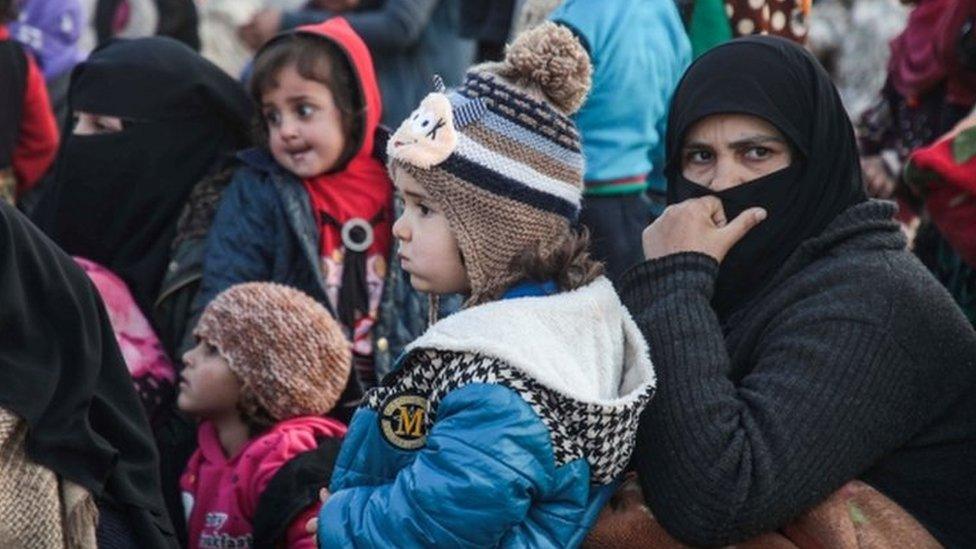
[[780, 82], [116, 197]]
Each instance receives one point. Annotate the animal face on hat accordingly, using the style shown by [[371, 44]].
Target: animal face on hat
[[427, 137]]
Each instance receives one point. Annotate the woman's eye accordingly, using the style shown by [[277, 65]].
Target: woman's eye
[[758, 153], [698, 157], [304, 111], [92, 125], [424, 210]]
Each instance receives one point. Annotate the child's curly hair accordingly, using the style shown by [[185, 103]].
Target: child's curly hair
[[319, 59], [569, 265]]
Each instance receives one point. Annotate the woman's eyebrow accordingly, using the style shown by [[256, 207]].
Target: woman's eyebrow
[[756, 140], [738, 143]]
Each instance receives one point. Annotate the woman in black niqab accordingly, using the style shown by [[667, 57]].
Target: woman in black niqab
[[61, 371], [116, 197], [823, 180]]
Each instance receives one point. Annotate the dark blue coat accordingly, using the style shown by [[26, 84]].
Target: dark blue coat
[[264, 230]]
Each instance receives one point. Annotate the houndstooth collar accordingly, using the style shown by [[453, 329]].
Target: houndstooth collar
[[603, 435]]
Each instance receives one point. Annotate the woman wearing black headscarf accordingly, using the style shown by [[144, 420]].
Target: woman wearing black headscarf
[[62, 374], [153, 118], [799, 345]]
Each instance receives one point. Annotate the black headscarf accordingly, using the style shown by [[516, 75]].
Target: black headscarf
[[61, 371], [116, 197], [782, 83], [13, 82]]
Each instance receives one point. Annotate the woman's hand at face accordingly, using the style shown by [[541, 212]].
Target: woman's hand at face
[[698, 225]]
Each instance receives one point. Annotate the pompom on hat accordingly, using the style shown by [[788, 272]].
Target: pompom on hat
[[501, 156], [289, 354]]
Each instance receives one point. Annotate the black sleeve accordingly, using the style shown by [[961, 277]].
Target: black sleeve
[[294, 488]]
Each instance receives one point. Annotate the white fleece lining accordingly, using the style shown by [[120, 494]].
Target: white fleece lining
[[583, 344]]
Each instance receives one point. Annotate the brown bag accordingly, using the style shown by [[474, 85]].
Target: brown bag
[[855, 517]]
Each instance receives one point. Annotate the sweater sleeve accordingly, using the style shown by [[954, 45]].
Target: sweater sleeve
[[396, 25], [37, 142], [486, 456], [722, 459]]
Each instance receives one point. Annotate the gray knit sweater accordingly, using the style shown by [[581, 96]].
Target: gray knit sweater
[[854, 363]]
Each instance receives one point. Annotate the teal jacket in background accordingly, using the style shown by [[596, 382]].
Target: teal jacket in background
[[639, 51]]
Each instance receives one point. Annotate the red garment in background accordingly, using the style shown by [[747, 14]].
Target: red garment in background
[[949, 188], [926, 53], [786, 18], [37, 141]]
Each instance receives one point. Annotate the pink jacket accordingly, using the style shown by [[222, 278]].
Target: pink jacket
[[153, 373], [220, 494]]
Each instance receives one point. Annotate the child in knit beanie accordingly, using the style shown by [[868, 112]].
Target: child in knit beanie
[[269, 363], [509, 422]]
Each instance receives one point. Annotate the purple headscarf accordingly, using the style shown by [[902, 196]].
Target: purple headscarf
[[50, 29]]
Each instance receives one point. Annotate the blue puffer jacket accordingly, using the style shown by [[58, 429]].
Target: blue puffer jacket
[[506, 425]]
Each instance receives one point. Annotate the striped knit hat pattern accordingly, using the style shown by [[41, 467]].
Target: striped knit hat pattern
[[501, 156], [289, 354]]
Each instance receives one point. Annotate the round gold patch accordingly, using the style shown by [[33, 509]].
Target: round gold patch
[[403, 421]]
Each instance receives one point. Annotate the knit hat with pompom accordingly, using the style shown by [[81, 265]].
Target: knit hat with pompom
[[289, 354], [501, 156]]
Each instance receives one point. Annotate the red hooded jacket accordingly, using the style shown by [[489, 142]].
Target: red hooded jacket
[[363, 190], [37, 137]]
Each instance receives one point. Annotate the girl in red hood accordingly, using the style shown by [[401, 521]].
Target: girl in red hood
[[312, 207]]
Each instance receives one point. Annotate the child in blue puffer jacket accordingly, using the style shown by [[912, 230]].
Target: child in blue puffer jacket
[[509, 422]]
